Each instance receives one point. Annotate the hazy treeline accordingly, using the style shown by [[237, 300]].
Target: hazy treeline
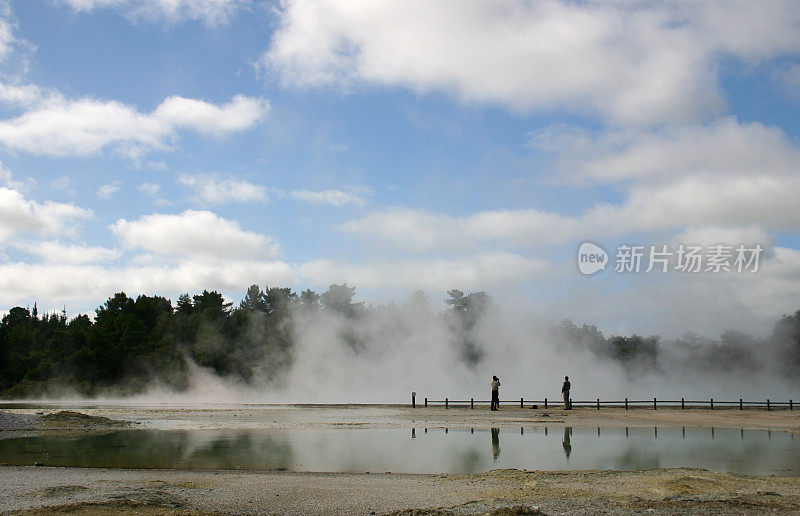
[[133, 343]]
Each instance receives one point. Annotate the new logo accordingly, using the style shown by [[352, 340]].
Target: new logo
[[591, 258]]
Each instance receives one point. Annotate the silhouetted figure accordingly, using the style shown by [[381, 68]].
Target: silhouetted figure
[[495, 393], [495, 443], [565, 442], [565, 392]]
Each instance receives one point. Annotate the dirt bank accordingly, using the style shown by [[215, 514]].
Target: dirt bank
[[673, 491], [62, 420]]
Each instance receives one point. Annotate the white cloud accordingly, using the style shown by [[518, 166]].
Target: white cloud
[[210, 189], [7, 179], [631, 62], [59, 283], [56, 252], [194, 234], [332, 197], [20, 215], [712, 235], [702, 302], [149, 188], [59, 127], [742, 200], [240, 113], [64, 184], [768, 202], [724, 146], [789, 80], [7, 37], [418, 230], [212, 12], [23, 95], [487, 270], [107, 190]]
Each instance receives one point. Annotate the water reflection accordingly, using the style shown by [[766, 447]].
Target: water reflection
[[565, 442], [495, 443], [436, 451]]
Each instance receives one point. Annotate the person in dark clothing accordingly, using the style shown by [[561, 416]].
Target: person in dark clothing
[[565, 392], [495, 393]]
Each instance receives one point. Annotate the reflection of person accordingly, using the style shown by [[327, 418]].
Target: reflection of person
[[565, 442], [565, 392], [495, 393], [495, 442]]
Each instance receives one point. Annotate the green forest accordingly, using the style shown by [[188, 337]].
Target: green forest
[[132, 341]]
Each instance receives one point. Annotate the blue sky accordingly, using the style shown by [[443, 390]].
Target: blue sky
[[168, 146]]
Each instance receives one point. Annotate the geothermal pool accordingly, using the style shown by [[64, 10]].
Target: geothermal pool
[[419, 450]]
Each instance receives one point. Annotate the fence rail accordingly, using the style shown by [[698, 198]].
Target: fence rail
[[626, 403]]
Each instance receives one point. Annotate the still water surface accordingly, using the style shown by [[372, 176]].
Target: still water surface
[[419, 450]]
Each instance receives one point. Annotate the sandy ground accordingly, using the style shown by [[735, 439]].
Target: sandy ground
[[40, 490]]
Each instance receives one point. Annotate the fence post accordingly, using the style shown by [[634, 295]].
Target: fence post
[[521, 403], [682, 405], [598, 403], [413, 400], [472, 403], [768, 404], [626, 403], [740, 404], [790, 405], [712, 403], [446, 403], [545, 403], [426, 402], [654, 404]]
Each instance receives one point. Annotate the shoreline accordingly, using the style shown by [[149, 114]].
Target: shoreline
[[399, 416], [53, 490]]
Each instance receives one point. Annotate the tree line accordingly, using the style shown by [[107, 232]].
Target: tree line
[[132, 342]]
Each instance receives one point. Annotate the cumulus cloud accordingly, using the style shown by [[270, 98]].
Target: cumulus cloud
[[64, 184], [7, 37], [149, 188], [703, 302], [20, 215], [7, 179], [194, 234], [21, 95], [107, 190], [211, 189], [788, 79], [724, 146], [56, 126], [482, 271], [212, 12], [420, 230], [700, 200], [630, 62], [331, 197], [59, 283], [56, 252]]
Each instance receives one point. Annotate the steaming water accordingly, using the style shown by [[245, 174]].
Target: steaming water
[[419, 450]]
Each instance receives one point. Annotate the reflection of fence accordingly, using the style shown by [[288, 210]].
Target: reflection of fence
[[626, 403]]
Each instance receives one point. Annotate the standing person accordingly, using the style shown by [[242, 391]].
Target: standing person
[[495, 393], [565, 392]]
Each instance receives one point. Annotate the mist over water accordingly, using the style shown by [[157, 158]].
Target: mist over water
[[277, 347], [384, 354]]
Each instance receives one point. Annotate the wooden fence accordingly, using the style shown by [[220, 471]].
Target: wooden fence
[[626, 403]]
